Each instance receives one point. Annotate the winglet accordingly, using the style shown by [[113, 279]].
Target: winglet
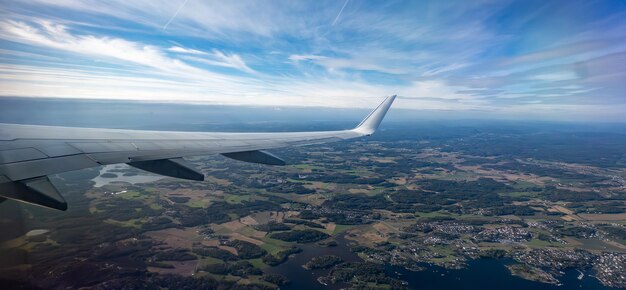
[[371, 122]]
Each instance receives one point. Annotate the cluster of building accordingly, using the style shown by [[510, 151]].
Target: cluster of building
[[610, 269], [505, 234], [454, 228], [555, 258], [362, 217]]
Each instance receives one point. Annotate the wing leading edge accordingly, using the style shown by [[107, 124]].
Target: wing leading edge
[[28, 154]]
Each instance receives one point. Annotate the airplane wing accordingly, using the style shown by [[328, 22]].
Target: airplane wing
[[28, 154]]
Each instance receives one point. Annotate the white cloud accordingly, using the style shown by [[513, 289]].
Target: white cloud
[[55, 36], [436, 55], [215, 58], [187, 83], [231, 60], [179, 49], [218, 58]]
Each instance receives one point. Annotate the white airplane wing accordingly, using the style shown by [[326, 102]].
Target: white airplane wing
[[28, 154]]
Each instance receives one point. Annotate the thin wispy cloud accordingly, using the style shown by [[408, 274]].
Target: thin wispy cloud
[[175, 14], [340, 11], [218, 58], [503, 57]]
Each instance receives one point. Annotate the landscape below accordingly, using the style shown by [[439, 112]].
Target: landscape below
[[542, 200]]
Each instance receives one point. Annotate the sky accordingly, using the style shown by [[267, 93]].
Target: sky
[[556, 60]]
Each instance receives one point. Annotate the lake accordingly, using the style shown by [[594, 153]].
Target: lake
[[117, 169]]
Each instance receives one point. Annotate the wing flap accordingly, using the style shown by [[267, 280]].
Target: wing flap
[[40, 167], [39, 191]]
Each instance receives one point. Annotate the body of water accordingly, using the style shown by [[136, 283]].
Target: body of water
[[483, 274], [142, 177], [487, 274], [303, 279]]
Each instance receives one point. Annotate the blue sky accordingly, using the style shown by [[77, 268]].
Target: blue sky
[[494, 58]]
